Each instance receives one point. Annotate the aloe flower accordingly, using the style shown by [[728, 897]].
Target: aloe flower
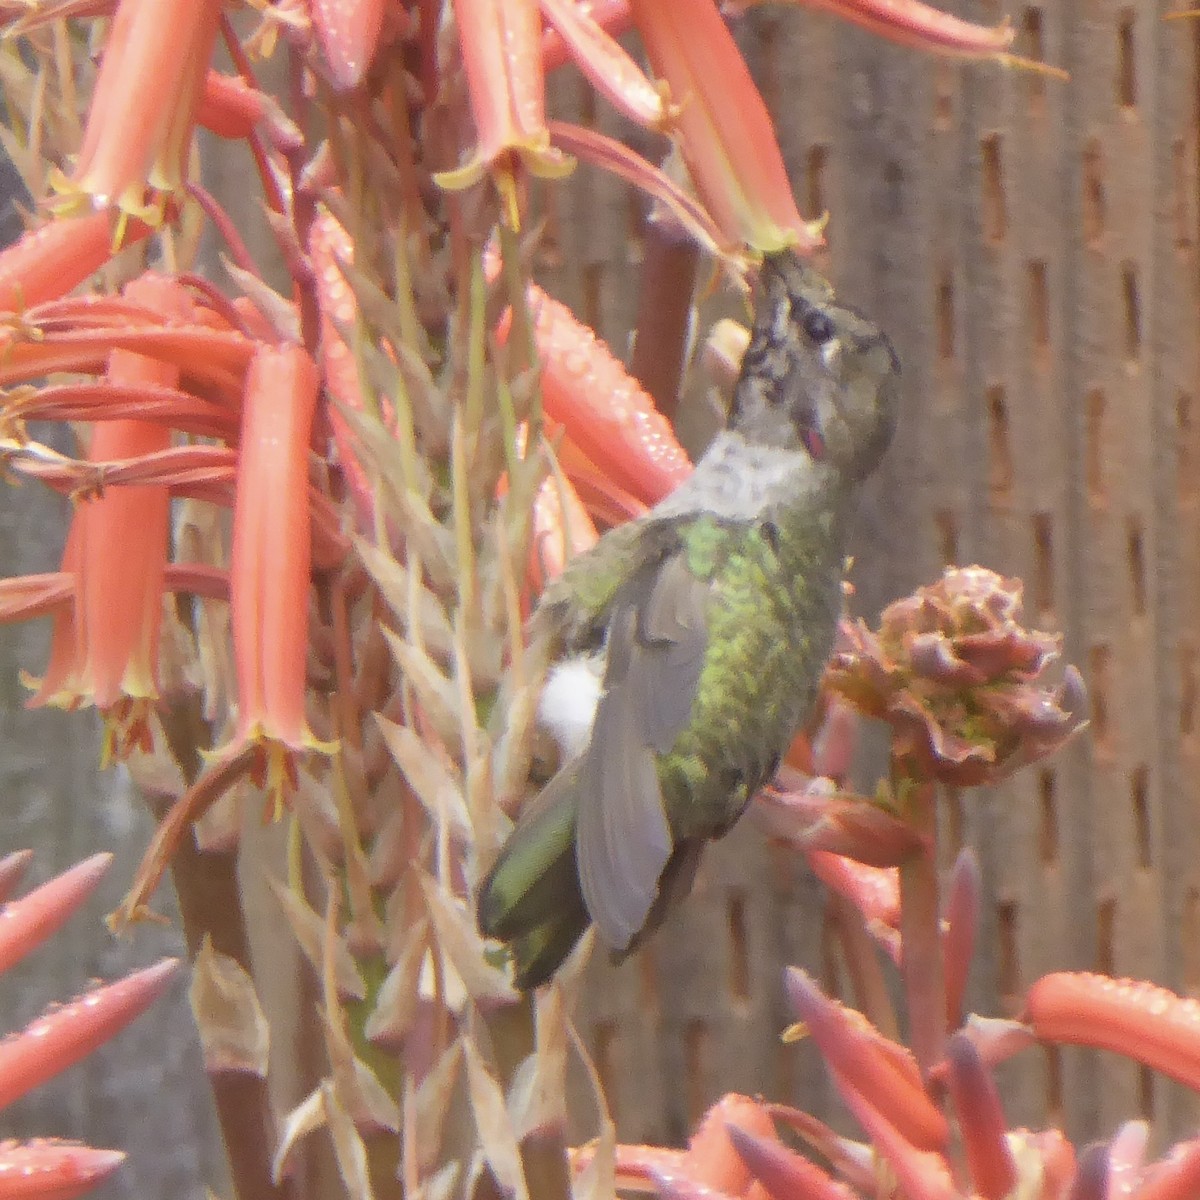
[[52, 1169], [500, 42], [724, 128], [139, 130], [271, 560]]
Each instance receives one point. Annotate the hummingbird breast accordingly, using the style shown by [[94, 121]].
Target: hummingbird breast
[[772, 619]]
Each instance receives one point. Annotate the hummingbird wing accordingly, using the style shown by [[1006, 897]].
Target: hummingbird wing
[[655, 654]]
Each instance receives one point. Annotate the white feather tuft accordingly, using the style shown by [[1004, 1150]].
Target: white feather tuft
[[567, 707]]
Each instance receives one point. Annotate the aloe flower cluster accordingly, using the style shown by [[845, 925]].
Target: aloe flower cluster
[[310, 516]]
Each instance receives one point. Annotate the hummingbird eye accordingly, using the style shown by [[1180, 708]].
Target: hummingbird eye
[[817, 325]]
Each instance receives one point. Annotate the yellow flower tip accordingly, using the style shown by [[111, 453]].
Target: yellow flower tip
[[510, 199], [127, 728], [280, 780], [794, 1033], [68, 698], [458, 179], [1019, 63]]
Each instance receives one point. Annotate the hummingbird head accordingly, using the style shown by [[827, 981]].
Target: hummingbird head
[[817, 374]]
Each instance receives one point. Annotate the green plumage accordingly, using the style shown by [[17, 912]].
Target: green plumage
[[703, 628]]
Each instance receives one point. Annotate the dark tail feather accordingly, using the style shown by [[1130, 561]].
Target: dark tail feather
[[531, 897], [539, 953]]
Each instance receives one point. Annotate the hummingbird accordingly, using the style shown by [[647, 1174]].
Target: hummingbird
[[686, 648]]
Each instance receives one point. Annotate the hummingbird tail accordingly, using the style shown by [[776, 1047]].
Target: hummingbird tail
[[531, 898]]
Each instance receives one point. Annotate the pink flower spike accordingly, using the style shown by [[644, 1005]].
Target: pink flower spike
[[868, 1063], [47, 1169], [1176, 1177], [725, 131], [980, 1120], [960, 925], [28, 922], [55, 1041], [12, 867], [782, 1172]]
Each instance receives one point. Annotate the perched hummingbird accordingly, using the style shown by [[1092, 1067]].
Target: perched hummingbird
[[687, 646]]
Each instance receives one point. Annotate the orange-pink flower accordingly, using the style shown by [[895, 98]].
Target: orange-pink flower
[[139, 128], [50, 261], [501, 49], [105, 648], [724, 128], [272, 558]]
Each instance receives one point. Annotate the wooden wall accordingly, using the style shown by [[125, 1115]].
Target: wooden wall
[[1030, 245]]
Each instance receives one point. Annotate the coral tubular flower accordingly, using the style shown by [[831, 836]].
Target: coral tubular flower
[[124, 555], [348, 31], [48, 262], [612, 16], [602, 407], [724, 128], [881, 1072], [117, 551], [271, 559], [1131, 1017], [29, 921], [980, 1120], [783, 1172], [48, 1169], [562, 529], [139, 127], [911, 23], [502, 56], [611, 71], [60, 1038]]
